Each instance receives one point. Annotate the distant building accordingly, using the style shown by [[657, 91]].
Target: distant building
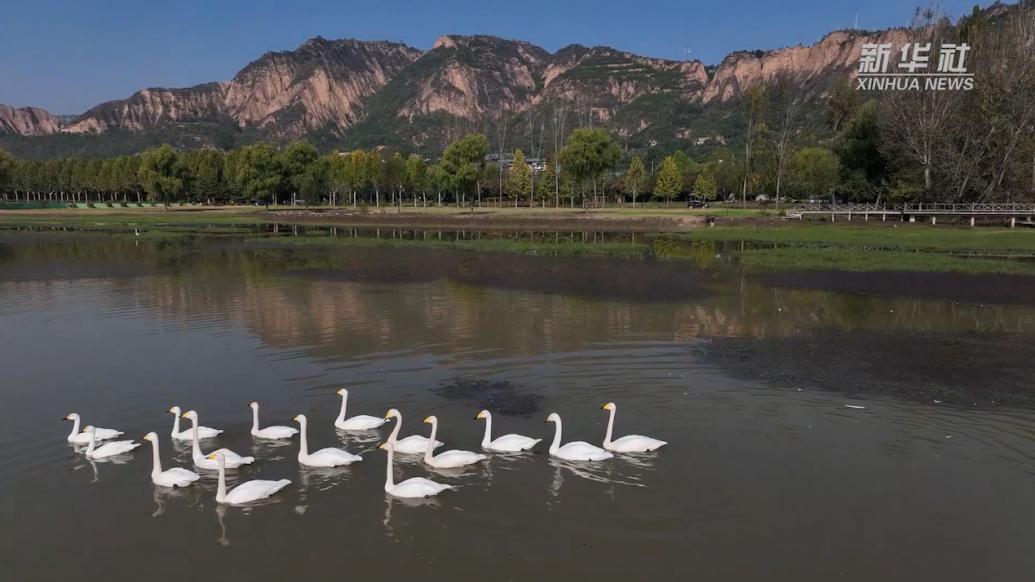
[[507, 160]]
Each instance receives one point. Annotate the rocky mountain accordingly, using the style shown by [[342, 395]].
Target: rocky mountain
[[344, 93], [27, 121], [315, 87]]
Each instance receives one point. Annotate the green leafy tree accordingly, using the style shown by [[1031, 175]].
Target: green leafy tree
[[858, 146], [392, 175], [438, 181], [463, 161], [415, 176], [587, 154], [669, 182], [546, 182], [519, 178], [372, 173], [6, 169], [160, 174], [635, 178], [259, 173], [706, 187], [205, 173], [815, 171], [294, 162]]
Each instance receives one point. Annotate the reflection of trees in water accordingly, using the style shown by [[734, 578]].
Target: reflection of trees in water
[[342, 302]]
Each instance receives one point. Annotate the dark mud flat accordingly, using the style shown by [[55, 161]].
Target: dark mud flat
[[980, 289], [973, 370], [626, 280]]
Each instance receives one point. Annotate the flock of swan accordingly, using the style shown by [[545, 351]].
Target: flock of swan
[[101, 443]]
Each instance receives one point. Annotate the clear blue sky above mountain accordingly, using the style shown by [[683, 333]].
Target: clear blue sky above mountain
[[68, 55]]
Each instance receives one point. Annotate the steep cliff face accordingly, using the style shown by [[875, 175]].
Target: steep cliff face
[[372, 93], [467, 76], [609, 78], [152, 107], [318, 86], [836, 53], [27, 121]]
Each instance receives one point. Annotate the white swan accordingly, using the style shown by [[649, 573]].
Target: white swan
[[414, 487], [575, 450], [508, 443], [448, 459], [411, 445], [358, 422], [329, 457], [270, 432], [233, 460], [633, 443], [175, 477], [204, 432], [81, 438], [245, 492], [109, 449]]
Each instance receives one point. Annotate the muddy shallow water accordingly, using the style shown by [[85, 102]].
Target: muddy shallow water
[[769, 475]]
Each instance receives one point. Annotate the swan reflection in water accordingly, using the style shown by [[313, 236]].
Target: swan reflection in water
[[273, 449], [390, 500], [189, 496], [360, 441], [318, 479], [82, 461], [610, 472], [224, 537]]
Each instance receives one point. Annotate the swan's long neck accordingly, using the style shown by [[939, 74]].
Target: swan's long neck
[[221, 490], [75, 428], [303, 450], [610, 427], [341, 413], [176, 424], [395, 431], [255, 418], [488, 431], [556, 437], [158, 460], [93, 442], [195, 447], [389, 477], [431, 441]]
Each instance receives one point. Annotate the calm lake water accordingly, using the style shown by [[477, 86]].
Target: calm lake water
[[769, 475]]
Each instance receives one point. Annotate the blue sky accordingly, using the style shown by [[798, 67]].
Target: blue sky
[[67, 56]]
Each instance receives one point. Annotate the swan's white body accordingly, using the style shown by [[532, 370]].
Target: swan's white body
[[411, 445], [109, 449], [412, 488], [358, 422], [245, 492], [633, 443], [508, 443], [204, 432], [175, 477], [328, 457], [81, 438], [274, 432], [575, 450], [448, 459], [207, 461]]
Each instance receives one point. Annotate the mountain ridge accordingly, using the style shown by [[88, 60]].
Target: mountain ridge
[[352, 92]]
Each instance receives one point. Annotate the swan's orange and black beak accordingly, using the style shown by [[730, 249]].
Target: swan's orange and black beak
[[184, 415]]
